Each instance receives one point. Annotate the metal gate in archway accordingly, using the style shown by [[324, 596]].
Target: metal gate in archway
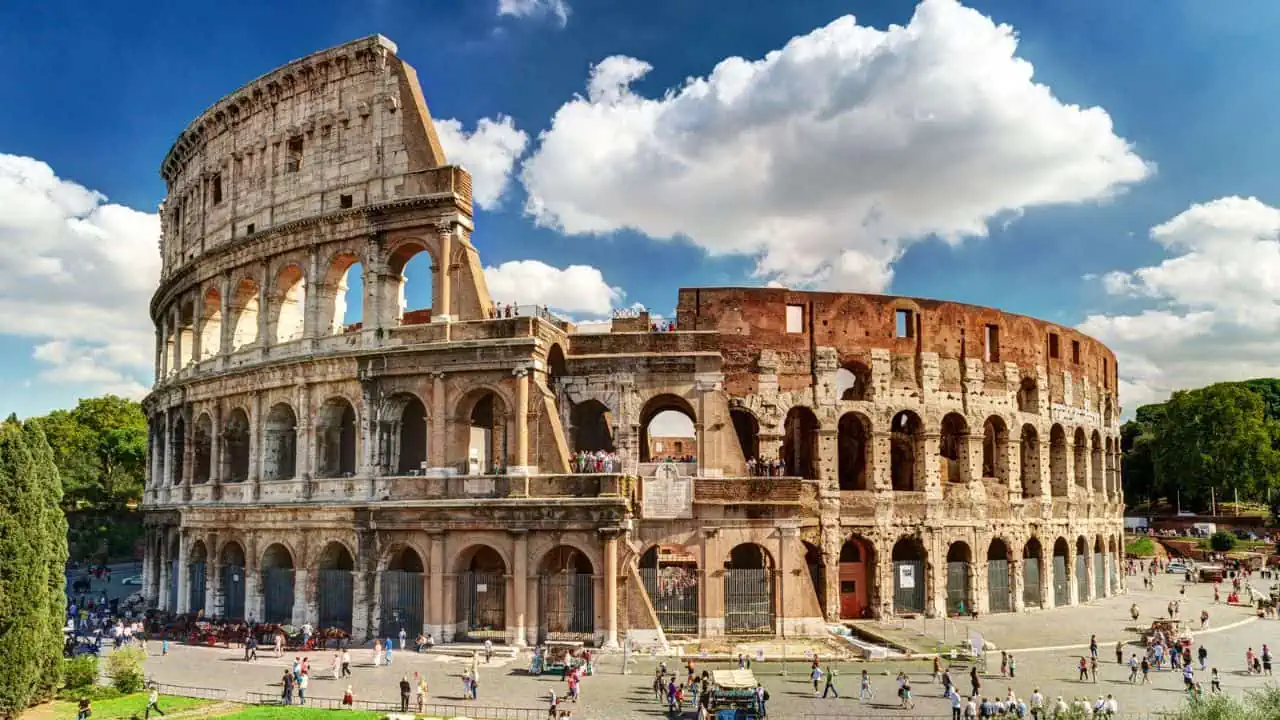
[[998, 586], [401, 603], [334, 590], [1082, 579], [173, 586], [1031, 582], [958, 588], [233, 592], [748, 602], [567, 602], [277, 595], [1061, 588], [908, 586], [1099, 575], [674, 594], [195, 597], [482, 606]]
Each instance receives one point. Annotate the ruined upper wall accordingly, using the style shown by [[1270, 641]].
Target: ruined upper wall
[[343, 128], [754, 319]]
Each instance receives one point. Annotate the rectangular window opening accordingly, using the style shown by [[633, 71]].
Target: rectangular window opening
[[1075, 351], [344, 201], [294, 160], [217, 190], [795, 319], [904, 325], [248, 229], [1053, 345], [991, 350]]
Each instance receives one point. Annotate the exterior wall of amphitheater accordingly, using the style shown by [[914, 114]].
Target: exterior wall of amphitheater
[[416, 469]]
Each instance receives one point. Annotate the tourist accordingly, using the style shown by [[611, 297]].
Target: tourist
[[1188, 677], [762, 698], [1037, 704], [1084, 669], [336, 665], [387, 651], [152, 702], [957, 704], [404, 693], [1146, 671], [1203, 654], [1119, 652], [1093, 668], [250, 649], [1266, 659], [905, 692], [377, 652], [1013, 666], [831, 684], [302, 688], [864, 688], [420, 643], [1093, 646], [658, 686], [1215, 684], [947, 684], [279, 643], [403, 635], [1133, 668], [1004, 664], [1248, 661], [974, 681], [475, 685], [346, 662], [815, 674], [1112, 707], [422, 690], [466, 684], [488, 651], [307, 631], [971, 709], [286, 681], [83, 711], [348, 699]]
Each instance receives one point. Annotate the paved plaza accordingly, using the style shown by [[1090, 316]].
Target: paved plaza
[[1038, 639]]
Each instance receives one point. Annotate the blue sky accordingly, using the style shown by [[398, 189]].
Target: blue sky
[[1155, 232]]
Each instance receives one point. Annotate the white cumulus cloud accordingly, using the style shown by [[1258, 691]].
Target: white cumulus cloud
[[78, 276], [574, 289], [489, 153], [559, 9], [826, 158], [1214, 303]]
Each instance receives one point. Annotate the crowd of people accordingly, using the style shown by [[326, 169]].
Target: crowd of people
[[766, 468], [585, 461]]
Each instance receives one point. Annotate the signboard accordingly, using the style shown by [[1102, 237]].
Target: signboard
[[667, 495], [906, 577], [479, 486], [481, 587], [760, 655]]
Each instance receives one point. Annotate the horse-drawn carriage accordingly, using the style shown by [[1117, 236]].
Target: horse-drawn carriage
[[1170, 631]]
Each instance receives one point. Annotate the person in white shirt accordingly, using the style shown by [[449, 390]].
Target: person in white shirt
[[1037, 704], [1113, 707], [403, 635]]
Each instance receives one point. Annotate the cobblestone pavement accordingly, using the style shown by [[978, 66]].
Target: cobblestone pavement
[[611, 694]]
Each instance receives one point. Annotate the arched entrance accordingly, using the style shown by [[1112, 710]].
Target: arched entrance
[[852, 435], [236, 442], [668, 430], [410, 435], [995, 453], [1099, 569], [566, 596], [336, 436], [277, 584], [908, 576], [482, 594], [203, 469], [800, 443], [1061, 586], [487, 435], [953, 448], [195, 577], [959, 596], [857, 569], [280, 443], [747, 428], [1082, 570], [334, 586], [401, 594], [592, 426], [853, 382], [904, 448], [231, 582], [670, 577], [748, 591], [999, 599], [1031, 570]]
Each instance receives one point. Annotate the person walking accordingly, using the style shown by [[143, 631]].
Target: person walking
[[974, 681], [336, 666], [864, 688], [831, 684], [1119, 652], [815, 674], [762, 700], [377, 652], [1133, 668], [153, 701], [303, 682], [286, 681], [1037, 705], [422, 691], [404, 693], [1093, 646], [1266, 659], [403, 637], [1013, 666], [956, 704], [348, 699], [488, 651], [1093, 668], [346, 663], [1146, 670], [1084, 670], [1214, 683], [387, 647], [1203, 654]]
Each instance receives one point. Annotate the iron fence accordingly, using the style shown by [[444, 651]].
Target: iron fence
[[674, 594], [173, 585], [232, 591], [908, 586], [1082, 579], [476, 712], [277, 595], [401, 602], [1099, 575], [334, 590], [748, 602], [998, 586], [958, 588], [567, 602], [482, 605], [191, 691], [195, 600], [1060, 586], [1031, 582]]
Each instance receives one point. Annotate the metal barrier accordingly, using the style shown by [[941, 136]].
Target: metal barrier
[[191, 691], [476, 712]]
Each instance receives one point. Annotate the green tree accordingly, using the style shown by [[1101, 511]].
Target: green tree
[[100, 448], [1222, 541]]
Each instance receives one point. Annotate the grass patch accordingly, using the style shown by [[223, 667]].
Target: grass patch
[[1261, 546], [120, 707], [1141, 547]]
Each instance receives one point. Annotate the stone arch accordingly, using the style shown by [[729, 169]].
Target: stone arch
[[959, 578], [1107, 413], [277, 566], [335, 585], [953, 448], [1033, 569], [671, 579], [1061, 572], [995, 450], [398, 277], [557, 367], [481, 556], [179, 447], [592, 423], [401, 591], [906, 451], [1096, 464], [245, 309], [566, 589], [287, 310], [749, 606], [1029, 448], [853, 439], [203, 450], [336, 432], [482, 420], [335, 295], [197, 563], [853, 382], [211, 324], [481, 572], [910, 562], [1083, 557], [1028, 396], [857, 577], [662, 405], [800, 443], [1058, 480], [231, 582], [747, 428], [1080, 458], [403, 434], [280, 443], [999, 581], [236, 445]]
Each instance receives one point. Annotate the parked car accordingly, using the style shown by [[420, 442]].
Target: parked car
[[1177, 566], [132, 580]]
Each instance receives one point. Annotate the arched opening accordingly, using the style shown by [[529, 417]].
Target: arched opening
[[853, 435], [592, 426], [236, 446], [857, 574], [231, 583], [668, 430], [908, 576], [995, 450], [1029, 450], [800, 443], [1028, 396], [289, 302], [196, 564], [999, 595], [1080, 457], [410, 435], [277, 584], [959, 585], [953, 448], [186, 335], [748, 591], [1032, 553], [670, 577], [156, 447], [482, 594], [203, 450], [245, 306], [179, 441], [280, 443], [853, 381], [905, 440], [410, 273], [211, 324], [402, 607], [817, 567], [1058, 480], [336, 437], [1102, 486], [747, 428], [1082, 570], [486, 426], [1107, 413], [334, 586], [566, 596], [1061, 584], [557, 368], [342, 301], [1096, 465]]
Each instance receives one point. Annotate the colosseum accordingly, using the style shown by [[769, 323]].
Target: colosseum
[[847, 456]]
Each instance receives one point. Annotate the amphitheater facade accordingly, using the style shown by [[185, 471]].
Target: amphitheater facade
[[417, 469]]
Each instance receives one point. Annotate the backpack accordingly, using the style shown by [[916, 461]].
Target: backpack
[[766, 696]]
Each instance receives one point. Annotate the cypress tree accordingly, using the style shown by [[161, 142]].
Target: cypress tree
[[53, 542]]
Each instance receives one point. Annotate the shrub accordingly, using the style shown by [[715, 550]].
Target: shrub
[[1222, 541], [124, 667], [1140, 547], [80, 672]]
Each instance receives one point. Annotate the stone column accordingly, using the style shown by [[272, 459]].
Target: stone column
[[442, 305], [255, 444], [163, 588], [159, 362], [188, 452], [711, 585], [521, 464], [177, 337], [363, 595], [1015, 584], [1073, 592], [311, 302], [520, 576], [301, 604], [264, 307], [1090, 583], [252, 591], [782, 576], [227, 331], [148, 561], [184, 574], [435, 608], [611, 589], [215, 447], [930, 466], [438, 440], [1046, 577], [304, 434], [167, 477]]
